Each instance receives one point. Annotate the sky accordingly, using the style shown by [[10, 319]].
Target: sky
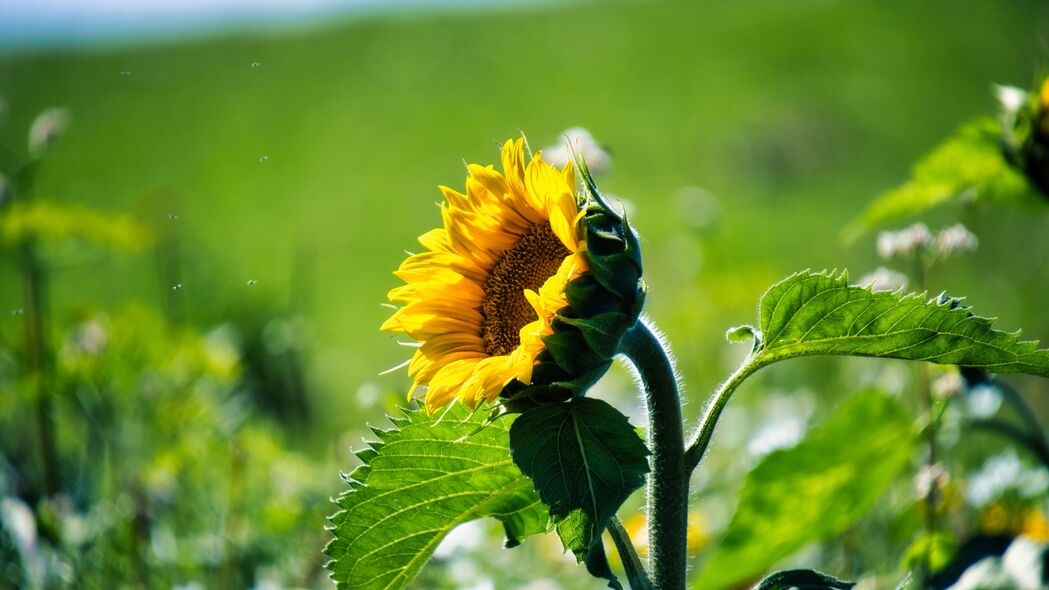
[[50, 23]]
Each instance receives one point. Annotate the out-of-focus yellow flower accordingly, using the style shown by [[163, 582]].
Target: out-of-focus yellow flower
[[698, 532], [485, 291], [1010, 518], [1035, 523]]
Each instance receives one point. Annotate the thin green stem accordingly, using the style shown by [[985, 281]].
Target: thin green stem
[[697, 447], [668, 483], [635, 570]]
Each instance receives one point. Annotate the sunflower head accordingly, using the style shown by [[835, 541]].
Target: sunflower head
[[1025, 138], [511, 295]]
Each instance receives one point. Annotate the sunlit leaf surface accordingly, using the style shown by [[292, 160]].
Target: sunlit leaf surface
[[418, 482], [814, 490], [821, 313]]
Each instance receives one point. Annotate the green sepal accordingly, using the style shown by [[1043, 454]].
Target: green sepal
[[570, 349], [519, 397], [587, 297], [602, 332], [616, 274]]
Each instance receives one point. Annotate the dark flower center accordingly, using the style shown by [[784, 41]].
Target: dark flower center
[[504, 310]]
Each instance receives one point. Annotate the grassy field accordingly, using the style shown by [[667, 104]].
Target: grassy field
[[745, 135]]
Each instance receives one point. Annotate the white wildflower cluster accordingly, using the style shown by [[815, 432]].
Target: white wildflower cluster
[[1011, 98], [1019, 568], [983, 401], [930, 479], [46, 129], [883, 279], [948, 385], [1005, 473], [956, 238], [917, 240], [582, 142], [904, 243]]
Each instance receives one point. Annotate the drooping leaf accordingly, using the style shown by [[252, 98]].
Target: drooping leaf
[[820, 313], [969, 164], [419, 481], [814, 490], [585, 459], [802, 580]]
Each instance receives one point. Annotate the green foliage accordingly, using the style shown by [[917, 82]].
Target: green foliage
[[53, 221], [420, 480], [820, 313], [585, 459], [936, 550], [171, 473], [802, 580], [814, 490], [970, 164]]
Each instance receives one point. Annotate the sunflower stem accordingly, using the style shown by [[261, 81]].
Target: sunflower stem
[[668, 482]]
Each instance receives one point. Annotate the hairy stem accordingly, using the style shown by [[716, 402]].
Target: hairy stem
[[668, 482], [697, 447], [635, 570]]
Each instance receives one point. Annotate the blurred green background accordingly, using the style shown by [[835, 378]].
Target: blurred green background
[[282, 173]]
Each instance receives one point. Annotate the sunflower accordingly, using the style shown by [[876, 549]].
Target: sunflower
[[485, 291]]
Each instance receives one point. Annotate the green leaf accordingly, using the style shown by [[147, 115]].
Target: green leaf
[[803, 580], [814, 490], [969, 164], [420, 481], [936, 550], [585, 459], [820, 313]]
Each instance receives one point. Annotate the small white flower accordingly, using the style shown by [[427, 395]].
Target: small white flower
[[46, 129], [582, 142], [883, 279], [983, 401], [905, 242], [948, 385], [1010, 97], [1004, 473], [956, 238]]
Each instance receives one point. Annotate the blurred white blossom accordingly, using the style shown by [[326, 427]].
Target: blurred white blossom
[[948, 385], [583, 143], [46, 129], [905, 242], [983, 401], [1004, 473], [883, 279], [1010, 97], [955, 239], [1020, 568]]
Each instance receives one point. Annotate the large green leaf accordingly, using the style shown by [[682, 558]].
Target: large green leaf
[[814, 490], [418, 482], [820, 313], [969, 164], [585, 459]]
